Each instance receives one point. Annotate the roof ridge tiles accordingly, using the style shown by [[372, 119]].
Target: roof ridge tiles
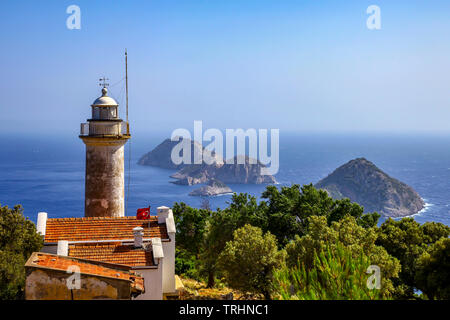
[[133, 218], [93, 218]]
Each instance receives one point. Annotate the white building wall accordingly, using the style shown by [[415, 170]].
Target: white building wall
[[169, 265], [152, 283], [165, 215]]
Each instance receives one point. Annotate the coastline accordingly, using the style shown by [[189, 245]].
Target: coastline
[[426, 207]]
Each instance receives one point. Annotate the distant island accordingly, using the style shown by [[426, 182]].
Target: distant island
[[160, 156], [246, 173], [218, 173], [213, 188], [364, 183], [359, 180]]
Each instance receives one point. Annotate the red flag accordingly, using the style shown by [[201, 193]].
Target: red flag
[[143, 213]]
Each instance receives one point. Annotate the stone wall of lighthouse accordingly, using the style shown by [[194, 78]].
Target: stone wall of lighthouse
[[104, 190]]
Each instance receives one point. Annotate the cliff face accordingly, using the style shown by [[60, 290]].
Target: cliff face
[[362, 182], [228, 173], [213, 188]]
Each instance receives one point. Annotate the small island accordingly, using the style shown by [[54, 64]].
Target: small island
[[363, 182], [248, 171], [214, 187], [160, 156]]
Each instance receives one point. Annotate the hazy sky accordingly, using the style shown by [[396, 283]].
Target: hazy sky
[[294, 65]]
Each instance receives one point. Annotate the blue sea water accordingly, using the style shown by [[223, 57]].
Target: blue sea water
[[46, 173]]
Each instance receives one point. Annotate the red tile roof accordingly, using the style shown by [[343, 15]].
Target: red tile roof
[[101, 228], [61, 263], [114, 252]]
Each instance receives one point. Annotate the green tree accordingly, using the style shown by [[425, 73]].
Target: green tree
[[18, 239], [186, 264], [348, 233], [336, 273], [279, 209], [191, 227], [433, 270], [407, 240], [249, 260], [284, 213], [220, 227], [289, 208], [242, 210]]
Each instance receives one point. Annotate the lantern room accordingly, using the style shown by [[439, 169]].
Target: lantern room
[[104, 107]]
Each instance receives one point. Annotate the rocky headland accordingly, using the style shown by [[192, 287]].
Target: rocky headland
[[363, 182]]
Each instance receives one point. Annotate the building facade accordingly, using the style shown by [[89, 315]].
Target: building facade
[[52, 277], [147, 247]]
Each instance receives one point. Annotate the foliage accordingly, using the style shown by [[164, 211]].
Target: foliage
[[407, 240], [18, 239], [220, 227], [336, 273], [433, 270], [191, 227], [348, 233], [186, 264], [305, 221], [249, 260], [289, 208]]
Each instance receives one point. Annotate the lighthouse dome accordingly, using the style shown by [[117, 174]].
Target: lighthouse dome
[[104, 100]]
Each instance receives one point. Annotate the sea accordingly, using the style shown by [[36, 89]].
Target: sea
[[46, 172]]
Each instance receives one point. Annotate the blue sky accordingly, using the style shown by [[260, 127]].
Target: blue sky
[[293, 65]]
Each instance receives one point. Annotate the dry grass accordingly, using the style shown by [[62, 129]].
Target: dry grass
[[195, 290]]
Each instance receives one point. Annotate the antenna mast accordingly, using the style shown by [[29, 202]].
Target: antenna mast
[[126, 82]]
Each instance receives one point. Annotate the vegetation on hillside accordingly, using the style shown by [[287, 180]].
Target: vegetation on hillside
[[334, 273], [321, 247], [18, 240], [296, 243]]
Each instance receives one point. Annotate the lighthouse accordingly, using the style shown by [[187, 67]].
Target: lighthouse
[[105, 135]]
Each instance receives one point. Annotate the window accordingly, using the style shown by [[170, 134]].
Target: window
[[95, 113]]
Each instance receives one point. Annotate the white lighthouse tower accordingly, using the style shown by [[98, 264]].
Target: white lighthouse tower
[[105, 135]]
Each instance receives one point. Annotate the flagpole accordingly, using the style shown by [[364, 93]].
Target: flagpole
[[126, 84]]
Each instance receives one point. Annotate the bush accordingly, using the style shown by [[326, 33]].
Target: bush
[[249, 260], [335, 274], [433, 271], [18, 240], [407, 240], [349, 234]]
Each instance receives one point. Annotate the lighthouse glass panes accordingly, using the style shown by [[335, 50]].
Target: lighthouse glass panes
[[104, 113]]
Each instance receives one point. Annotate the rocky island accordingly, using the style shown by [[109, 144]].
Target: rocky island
[[249, 172], [363, 182], [229, 173], [161, 155], [214, 187]]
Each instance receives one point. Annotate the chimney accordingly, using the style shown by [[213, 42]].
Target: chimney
[[63, 248], [163, 213], [157, 248], [41, 223], [138, 237]]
